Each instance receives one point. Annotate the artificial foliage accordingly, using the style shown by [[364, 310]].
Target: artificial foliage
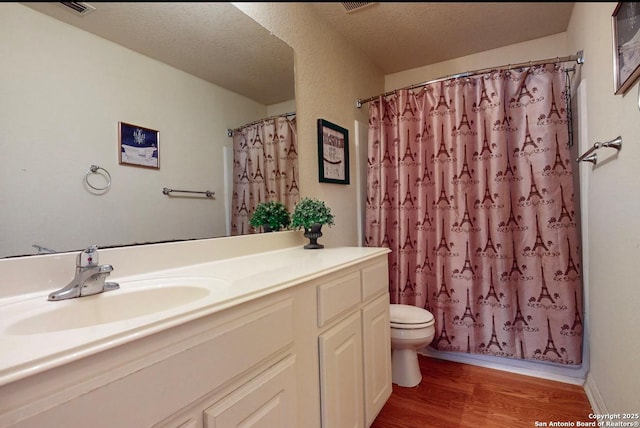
[[273, 214], [309, 211]]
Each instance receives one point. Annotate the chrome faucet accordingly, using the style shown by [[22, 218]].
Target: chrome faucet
[[89, 279]]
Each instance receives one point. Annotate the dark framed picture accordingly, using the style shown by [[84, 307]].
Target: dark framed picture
[[626, 45], [333, 153], [138, 146]]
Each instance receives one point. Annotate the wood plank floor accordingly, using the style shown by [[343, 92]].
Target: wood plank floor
[[459, 395]]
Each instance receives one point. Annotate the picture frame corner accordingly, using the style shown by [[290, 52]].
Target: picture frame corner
[[626, 46]]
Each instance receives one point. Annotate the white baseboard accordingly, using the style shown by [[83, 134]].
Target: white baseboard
[[595, 399], [590, 388], [513, 366]]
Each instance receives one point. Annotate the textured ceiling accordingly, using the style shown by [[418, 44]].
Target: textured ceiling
[[218, 43], [213, 41], [400, 36]]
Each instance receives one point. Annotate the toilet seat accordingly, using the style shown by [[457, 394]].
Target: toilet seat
[[410, 317]]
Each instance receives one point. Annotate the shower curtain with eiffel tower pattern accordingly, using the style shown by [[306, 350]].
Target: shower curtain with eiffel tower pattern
[[265, 168], [470, 184]]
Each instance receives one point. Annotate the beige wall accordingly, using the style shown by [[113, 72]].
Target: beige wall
[[612, 197], [62, 95], [546, 47], [330, 77]]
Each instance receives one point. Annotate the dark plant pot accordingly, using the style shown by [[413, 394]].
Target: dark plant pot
[[313, 233], [266, 228]]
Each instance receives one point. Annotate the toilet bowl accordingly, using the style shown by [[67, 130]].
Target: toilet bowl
[[412, 328]]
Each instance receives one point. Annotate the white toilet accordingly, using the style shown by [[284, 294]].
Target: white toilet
[[412, 328]]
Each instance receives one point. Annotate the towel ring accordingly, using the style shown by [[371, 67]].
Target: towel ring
[[93, 169]]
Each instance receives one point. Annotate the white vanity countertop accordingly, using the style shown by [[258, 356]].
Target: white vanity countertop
[[37, 335]]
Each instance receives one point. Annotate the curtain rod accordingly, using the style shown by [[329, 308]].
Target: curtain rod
[[578, 57], [231, 131]]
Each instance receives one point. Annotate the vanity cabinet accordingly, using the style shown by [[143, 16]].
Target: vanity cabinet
[[263, 396], [376, 340], [213, 366], [269, 400], [265, 400], [354, 347], [342, 389], [314, 353]]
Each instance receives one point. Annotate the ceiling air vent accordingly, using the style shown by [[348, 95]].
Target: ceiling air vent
[[80, 8], [355, 6]]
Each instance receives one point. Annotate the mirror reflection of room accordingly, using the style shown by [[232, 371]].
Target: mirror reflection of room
[[75, 78], [265, 168]]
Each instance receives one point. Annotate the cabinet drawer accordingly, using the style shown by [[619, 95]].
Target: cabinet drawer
[[375, 280], [189, 424], [253, 337], [268, 401], [337, 296]]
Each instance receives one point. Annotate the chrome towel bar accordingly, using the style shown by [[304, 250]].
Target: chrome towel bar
[[590, 156], [208, 193]]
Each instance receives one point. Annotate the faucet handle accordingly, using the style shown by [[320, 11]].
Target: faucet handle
[[88, 257]]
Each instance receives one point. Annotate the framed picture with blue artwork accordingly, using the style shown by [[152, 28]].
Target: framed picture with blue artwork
[[138, 146], [333, 153]]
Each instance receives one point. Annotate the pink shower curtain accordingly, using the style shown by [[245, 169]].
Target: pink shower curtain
[[265, 168], [470, 184]]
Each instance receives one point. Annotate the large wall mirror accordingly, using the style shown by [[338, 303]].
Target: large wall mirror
[[189, 71]]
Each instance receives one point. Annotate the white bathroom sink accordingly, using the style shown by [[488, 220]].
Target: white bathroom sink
[[134, 299]]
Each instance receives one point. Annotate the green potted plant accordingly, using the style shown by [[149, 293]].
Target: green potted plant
[[310, 214], [271, 215]]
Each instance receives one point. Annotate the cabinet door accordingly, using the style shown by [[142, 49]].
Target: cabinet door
[[341, 392], [377, 356], [267, 401]]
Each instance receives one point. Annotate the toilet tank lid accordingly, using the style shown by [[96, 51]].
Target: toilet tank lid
[[408, 314]]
